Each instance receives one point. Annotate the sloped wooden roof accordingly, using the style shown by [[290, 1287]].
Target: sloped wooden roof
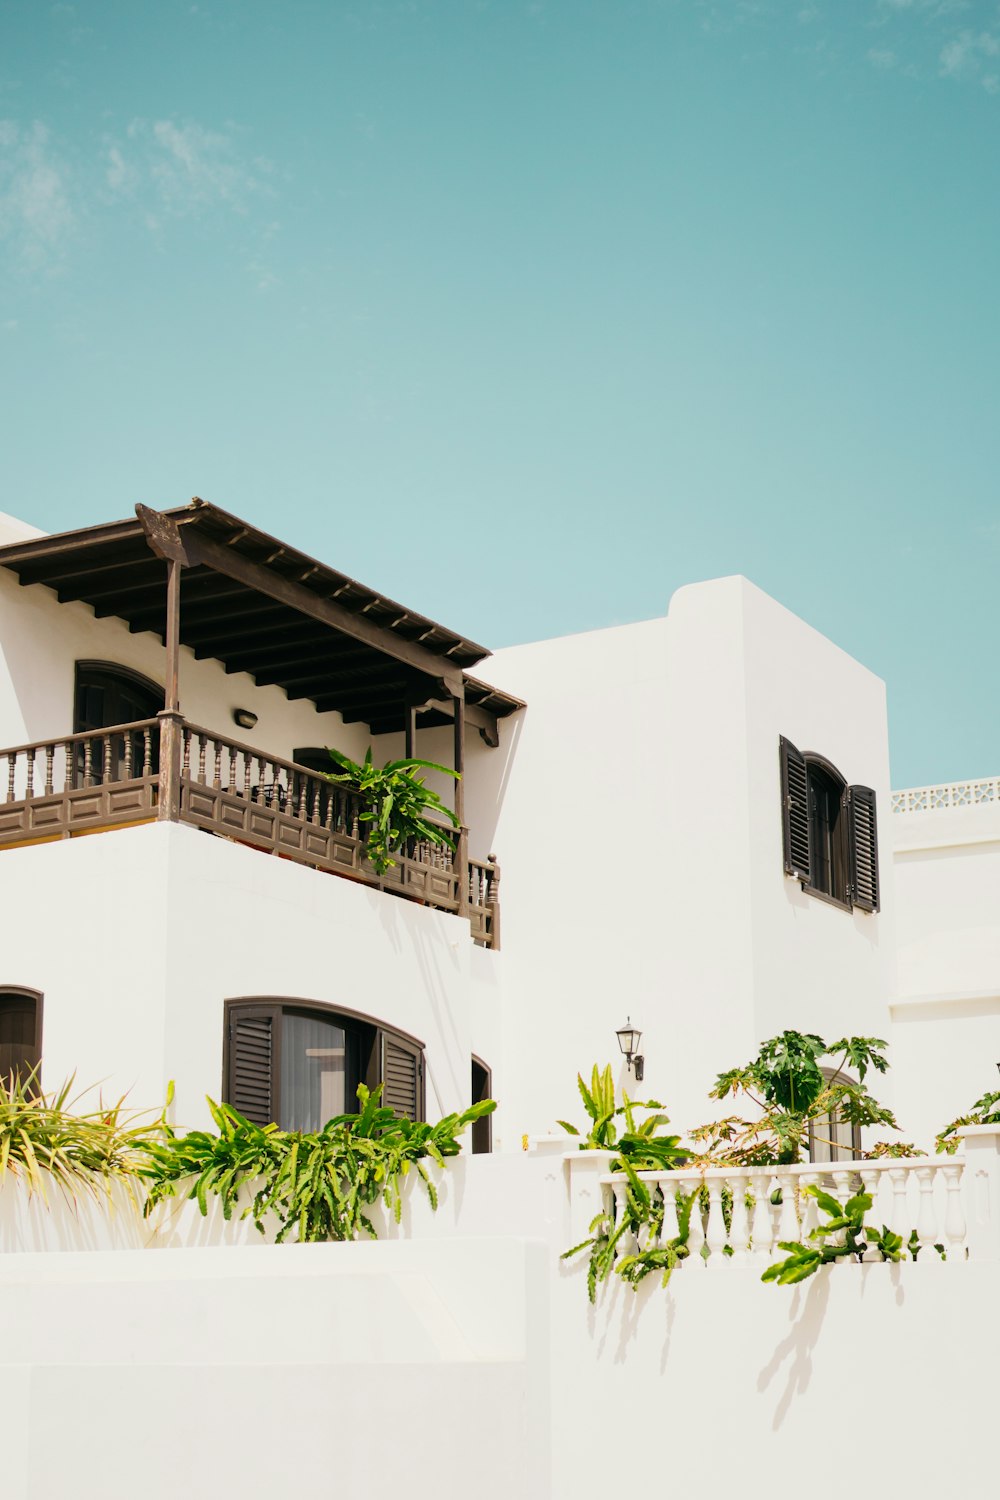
[[260, 606]]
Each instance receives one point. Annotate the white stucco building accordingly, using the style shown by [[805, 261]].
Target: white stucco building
[[687, 821]]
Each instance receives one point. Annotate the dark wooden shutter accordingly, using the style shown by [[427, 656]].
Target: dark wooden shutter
[[252, 1061], [863, 834], [403, 1076], [794, 811]]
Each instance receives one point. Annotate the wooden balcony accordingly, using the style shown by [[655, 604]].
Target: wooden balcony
[[168, 769]]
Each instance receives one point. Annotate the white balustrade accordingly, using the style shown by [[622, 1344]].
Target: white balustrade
[[925, 1195], [949, 794]]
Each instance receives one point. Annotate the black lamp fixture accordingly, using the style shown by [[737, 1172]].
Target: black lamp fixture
[[629, 1037], [245, 717]]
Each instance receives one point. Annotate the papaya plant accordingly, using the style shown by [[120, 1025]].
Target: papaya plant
[[985, 1111], [795, 1093]]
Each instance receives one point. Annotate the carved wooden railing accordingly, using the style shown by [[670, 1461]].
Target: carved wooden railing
[[111, 777], [236, 790], [103, 778], [484, 901]]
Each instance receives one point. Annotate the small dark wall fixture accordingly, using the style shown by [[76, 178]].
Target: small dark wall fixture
[[245, 718], [629, 1037]]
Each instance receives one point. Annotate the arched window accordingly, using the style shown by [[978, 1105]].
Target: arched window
[[298, 1063], [107, 694], [832, 1138], [482, 1085], [829, 829], [20, 1036]]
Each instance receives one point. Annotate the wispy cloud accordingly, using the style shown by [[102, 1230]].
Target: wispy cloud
[[36, 213], [171, 169], [967, 53], [882, 57]]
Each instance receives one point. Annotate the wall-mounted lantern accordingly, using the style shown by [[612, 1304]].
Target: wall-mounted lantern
[[245, 717], [629, 1037]]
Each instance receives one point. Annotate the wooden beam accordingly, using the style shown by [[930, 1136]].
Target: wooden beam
[[475, 717], [295, 596]]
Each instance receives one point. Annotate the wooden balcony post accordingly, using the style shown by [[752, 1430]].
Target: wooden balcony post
[[494, 902], [462, 841], [168, 807], [164, 538]]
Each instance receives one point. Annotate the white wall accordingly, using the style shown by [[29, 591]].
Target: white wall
[[478, 1354], [137, 936], [314, 1369], [639, 831], [946, 1019], [579, 800]]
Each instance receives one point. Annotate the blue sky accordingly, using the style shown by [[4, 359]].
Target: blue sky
[[528, 314]]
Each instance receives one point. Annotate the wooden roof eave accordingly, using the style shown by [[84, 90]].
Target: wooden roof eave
[[69, 561]]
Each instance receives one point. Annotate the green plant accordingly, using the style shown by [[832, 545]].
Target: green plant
[[639, 1143], [44, 1142], [787, 1082], [397, 804], [844, 1233], [638, 1148], [985, 1111], [318, 1185]]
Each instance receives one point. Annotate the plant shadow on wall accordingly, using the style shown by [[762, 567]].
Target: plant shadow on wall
[[806, 1317]]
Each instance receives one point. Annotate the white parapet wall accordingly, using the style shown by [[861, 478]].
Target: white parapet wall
[[299, 1370], [465, 1355], [946, 1013]]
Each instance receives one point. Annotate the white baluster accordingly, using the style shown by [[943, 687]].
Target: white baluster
[[671, 1228], [900, 1223], [927, 1218], [761, 1229], [842, 1191], [696, 1231], [788, 1224], [715, 1237], [954, 1222], [810, 1208], [739, 1230], [870, 1184], [627, 1243]]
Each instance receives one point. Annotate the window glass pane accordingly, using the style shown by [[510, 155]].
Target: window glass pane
[[313, 1056], [18, 1053]]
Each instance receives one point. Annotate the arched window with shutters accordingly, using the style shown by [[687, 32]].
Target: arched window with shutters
[[20, 1035], [829, 830], [298, 1063]]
